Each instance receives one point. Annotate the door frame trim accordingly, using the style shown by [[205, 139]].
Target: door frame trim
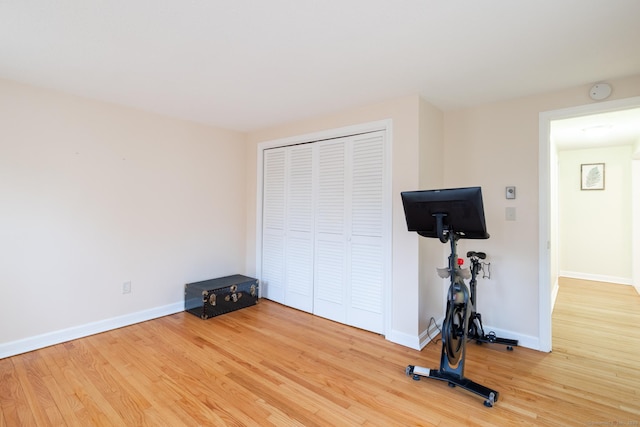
[[547, 281]]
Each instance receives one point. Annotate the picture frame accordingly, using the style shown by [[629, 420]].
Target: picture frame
[[592, 176]]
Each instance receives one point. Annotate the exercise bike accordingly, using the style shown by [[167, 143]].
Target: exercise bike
[[476, 329], [451, 215]]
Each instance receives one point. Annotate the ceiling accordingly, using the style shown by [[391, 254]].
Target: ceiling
[[608, 129], [251, 64]]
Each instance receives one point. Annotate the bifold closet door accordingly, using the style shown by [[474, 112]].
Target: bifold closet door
[[298, 284], [349, 239], [330, 267], [324, 228], [273, 225], [287, 250], [366, 232]]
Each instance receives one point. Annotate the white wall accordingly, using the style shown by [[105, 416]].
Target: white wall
[[595, 225], [496, 145], [432, 253], [492, 145], [93, 195]]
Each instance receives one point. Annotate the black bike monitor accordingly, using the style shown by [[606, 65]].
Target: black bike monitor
[[461, 210]]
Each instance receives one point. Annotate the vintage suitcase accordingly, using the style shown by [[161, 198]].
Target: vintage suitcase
[[211, 298]]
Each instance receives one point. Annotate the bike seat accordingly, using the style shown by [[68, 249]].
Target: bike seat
[[480, 255]]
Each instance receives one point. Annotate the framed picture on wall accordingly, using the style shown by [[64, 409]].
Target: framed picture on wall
[[592, 176]]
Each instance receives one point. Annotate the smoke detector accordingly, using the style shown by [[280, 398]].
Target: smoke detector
[[600, 91]]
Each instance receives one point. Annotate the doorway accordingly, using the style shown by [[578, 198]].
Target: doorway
[[548, 208]]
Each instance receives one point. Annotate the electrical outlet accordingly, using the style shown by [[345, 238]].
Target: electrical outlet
[[126, 288]]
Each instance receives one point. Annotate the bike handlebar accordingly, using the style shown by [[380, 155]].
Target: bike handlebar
[[480, 255]]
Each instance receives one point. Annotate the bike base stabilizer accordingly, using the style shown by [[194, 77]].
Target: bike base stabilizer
[[490, 396]]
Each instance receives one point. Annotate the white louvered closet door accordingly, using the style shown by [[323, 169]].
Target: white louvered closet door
[[299, 228], [324, 216], [330, 237], [273, 225], [366, 240], [349, 238]]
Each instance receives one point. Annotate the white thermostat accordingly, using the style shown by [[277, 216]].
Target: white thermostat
[[510, 192]]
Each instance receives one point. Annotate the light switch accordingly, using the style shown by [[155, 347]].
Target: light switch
[[510, 214]]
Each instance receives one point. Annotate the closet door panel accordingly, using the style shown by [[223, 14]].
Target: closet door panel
[[366, 287], [299, 274], [367, 186], [366, 243], [330, 237], [329, 290], [299, 228], [324, 216], [273, 225]]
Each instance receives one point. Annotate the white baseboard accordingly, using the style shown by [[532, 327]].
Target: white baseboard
[[56, 337], [407, 340], [413, 341], [416, 342], [596, 277], [526, 341], [427, 336], [419, 342]]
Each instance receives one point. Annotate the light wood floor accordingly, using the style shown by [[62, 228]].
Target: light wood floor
[[270, 365]]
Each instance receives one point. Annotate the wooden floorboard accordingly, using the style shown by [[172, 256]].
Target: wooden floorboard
[[269, 365]]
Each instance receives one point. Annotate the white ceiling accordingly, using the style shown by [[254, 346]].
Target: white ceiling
[[249, 64], [609, 129]]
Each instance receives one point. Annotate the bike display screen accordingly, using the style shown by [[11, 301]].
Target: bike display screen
[[461, 209]]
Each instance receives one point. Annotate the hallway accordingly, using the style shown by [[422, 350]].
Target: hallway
[[595, 327]]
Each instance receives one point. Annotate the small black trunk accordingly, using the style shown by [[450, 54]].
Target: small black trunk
[[211, 298]]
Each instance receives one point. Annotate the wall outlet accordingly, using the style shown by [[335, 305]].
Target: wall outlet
[[126, 288]]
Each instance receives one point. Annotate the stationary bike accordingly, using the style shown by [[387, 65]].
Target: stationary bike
[[455, 329], [476, 330], [450, 215]]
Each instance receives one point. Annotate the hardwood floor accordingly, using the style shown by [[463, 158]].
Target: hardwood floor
[[271, 365]]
